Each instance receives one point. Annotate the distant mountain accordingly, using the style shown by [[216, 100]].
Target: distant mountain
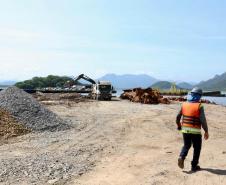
[[185, 85], [7, 83], [163, 85], [193, 83], [216, 83], [129, 80]]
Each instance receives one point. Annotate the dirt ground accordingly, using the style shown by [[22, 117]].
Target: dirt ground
[[116, 143]]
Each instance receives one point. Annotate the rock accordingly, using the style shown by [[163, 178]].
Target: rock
[[53, 181]]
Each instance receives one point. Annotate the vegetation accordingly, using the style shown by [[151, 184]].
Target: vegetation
[[42, 82], [164, 85], [173, 90]]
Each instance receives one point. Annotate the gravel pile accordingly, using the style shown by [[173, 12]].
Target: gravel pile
[[29, 111], [46, 167]]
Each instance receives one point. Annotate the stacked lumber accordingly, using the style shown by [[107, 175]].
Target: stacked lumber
[[146, 96]]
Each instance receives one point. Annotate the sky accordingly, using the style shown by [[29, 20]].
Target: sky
[[167, 39]]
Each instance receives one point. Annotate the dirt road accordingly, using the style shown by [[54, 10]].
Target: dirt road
[[115, 143], [148, 149]]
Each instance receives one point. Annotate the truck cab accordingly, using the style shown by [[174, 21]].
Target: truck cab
[[103, 90]]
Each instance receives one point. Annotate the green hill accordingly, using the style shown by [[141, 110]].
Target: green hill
[[163, 85], [185, 85], [42, 82], [216, 83]]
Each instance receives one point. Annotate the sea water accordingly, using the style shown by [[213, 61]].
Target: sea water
[[217, 100]]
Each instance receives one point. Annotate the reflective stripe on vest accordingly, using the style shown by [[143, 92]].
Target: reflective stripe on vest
[[191, 118], [188, 130]]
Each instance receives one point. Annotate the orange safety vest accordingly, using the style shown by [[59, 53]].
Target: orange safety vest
[[191, 115]]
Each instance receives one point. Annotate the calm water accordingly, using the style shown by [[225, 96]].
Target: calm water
[[119, 92], [217, 100]]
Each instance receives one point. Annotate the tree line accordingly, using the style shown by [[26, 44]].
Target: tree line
[[42, 82]]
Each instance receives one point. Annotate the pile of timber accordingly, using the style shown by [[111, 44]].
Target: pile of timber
[[180, 99], [183, 99], [146, 96], [56, 96]]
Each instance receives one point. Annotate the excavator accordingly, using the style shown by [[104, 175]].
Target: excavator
[[101, 90]]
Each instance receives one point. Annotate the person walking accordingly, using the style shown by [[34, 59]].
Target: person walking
[[190, 119]]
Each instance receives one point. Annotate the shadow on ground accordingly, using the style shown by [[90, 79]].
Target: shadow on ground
[[215, 171], [210, 170]]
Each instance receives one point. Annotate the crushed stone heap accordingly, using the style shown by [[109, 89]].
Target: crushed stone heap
[[28, 111]]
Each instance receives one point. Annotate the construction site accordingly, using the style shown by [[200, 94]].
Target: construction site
[[100, 92], [61, 138]]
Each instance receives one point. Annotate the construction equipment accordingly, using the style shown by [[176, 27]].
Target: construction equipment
[[84, 77], [101, 90]]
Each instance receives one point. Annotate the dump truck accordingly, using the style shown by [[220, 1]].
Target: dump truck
[[100, 90]]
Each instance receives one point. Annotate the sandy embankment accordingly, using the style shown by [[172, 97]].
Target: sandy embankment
[[116, 143]]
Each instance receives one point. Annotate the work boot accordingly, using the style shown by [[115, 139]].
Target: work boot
[[181, 163], [195, 168]]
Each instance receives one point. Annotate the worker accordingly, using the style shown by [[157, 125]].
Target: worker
[[193, 119]]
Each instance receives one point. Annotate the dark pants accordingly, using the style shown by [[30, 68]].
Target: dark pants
[[196, 141]]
